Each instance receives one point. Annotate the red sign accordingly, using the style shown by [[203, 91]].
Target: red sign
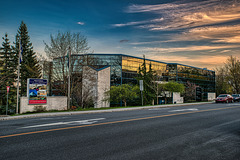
[[8, 87], [37, 101]]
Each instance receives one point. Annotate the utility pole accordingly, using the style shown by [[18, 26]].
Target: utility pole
[[69, 77]]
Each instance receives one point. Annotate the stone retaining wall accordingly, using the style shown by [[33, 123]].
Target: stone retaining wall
[[53, 103]]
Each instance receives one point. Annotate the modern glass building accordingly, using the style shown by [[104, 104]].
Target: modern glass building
[[124, 69]]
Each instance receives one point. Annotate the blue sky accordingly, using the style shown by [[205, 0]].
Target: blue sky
[[193, 32]]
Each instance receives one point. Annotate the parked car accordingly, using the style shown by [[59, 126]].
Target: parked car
[[236, 97], [224, 98]]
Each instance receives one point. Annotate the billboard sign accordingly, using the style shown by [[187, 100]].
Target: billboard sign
[[37, 91]]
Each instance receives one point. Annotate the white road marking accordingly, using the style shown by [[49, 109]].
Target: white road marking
[[180, 110], [155, 109], [88, 121], [46, 118]]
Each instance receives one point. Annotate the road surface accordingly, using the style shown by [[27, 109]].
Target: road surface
[[206, 132]]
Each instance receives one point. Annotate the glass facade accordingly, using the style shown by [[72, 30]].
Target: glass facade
[[124, 69], [130, 67], [200, 77]]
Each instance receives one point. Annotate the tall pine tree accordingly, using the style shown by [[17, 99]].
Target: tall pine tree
[[148, 75], [30, 67], [7, 69]]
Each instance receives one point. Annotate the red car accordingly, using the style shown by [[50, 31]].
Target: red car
[[226, 98]]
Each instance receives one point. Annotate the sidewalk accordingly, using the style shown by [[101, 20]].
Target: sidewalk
[[95, 111]]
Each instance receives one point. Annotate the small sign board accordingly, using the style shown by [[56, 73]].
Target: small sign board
[[8, 88], [141, 85], [37, 91]]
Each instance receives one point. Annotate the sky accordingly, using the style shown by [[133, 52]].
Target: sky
[[200, 33]]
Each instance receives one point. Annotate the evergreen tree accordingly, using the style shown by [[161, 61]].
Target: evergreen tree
[[149, 77], [7, 69], [29, 67], [7, 62]]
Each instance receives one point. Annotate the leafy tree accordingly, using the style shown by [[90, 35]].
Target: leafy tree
[[123, 92], [30, 67], [170, 87], [174, 87], [7, 70]]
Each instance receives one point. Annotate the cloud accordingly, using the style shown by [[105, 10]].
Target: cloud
[[222, 34], [185, 49], [185, 14], [81, 23], [228, 34], [198, 56], [129, 23], [124, 41], [204, 21], [137, 22]]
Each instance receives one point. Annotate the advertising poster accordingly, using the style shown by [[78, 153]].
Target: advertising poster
[[37, 91]]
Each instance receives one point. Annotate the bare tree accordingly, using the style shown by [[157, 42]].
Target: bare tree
[[60, 44], [232, 66], [222, 85], [58, 50], [190, 91], [228, 77]]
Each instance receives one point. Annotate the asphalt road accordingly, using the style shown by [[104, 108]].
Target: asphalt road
[[206, 132]]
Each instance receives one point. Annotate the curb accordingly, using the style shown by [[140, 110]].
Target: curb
[[96, 111]]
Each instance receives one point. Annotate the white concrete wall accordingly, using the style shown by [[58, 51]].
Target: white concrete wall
[[89, 83], [211, 96], [103, 86], [95, 84], [177, 98], [53, 103]]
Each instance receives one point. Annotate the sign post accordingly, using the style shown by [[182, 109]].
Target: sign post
[[141, 89], [8, 87]]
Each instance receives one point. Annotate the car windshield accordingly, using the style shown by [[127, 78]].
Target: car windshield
[[222, 96], [235, 95]]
